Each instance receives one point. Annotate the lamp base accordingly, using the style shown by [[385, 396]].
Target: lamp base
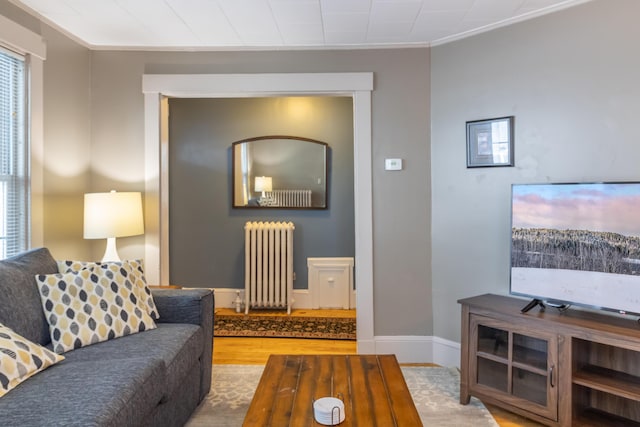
[[111, 253]]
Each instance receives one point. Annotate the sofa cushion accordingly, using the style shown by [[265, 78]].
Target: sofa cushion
[[20, 359], [132, 267], [90, 306], [193, 306], [121, 392], [18, 288], [180, 346]]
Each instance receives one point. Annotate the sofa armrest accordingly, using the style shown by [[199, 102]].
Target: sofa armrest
[[194, 306]]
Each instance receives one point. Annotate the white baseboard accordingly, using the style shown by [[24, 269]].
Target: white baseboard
[[408, 349], [225, 297], [366, 347], [302, 298], [419, 349], [446, 352]]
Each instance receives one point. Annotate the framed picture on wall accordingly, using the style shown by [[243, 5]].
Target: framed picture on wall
[[490, 142]]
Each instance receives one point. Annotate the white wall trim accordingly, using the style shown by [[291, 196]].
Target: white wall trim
[[505, 22], [419, 349], [302, 298], [249, 85], [363, 207], [36, 147], [31, 45], [446, 352], [22, 39], [225, 297], [356, 85], [408, 349], [152, 149]]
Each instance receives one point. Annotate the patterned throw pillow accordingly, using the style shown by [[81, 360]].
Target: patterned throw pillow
[[132, 267], [21, 359], [90, 306]]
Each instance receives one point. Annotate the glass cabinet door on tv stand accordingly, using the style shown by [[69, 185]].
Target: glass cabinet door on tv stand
[[516, 365]]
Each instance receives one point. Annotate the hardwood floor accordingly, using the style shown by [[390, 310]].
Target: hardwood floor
[[509, 419], [256, 351]]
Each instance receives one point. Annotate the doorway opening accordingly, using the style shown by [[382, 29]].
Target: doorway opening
[[157, 88]]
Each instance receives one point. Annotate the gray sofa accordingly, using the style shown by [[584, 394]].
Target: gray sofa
[[152, 378]]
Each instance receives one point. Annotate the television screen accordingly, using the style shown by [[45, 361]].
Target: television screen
[[577, 244]]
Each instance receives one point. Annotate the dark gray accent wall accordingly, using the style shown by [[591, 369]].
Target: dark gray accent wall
[[206, 233]]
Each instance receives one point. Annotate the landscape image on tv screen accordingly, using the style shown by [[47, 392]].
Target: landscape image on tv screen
[[577, 243]]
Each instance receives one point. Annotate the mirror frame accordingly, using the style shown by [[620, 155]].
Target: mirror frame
[[234, 205]]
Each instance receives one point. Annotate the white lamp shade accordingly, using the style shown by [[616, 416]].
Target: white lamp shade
[[263, 183], [112, 215]]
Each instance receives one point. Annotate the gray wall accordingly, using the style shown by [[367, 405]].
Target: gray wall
[[67, 124], [206, 234], [400, 128], [571, 80], [67, 135]]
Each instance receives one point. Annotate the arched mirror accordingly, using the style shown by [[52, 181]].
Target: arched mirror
[[283, 172]]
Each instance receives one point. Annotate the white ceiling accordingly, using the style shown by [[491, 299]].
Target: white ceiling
[[279, 24]]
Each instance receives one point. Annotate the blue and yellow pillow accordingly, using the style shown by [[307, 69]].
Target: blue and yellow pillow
[[20, 359], [132, 269], [90, 306]]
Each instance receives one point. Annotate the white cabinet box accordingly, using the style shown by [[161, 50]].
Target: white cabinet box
[[330, 282]]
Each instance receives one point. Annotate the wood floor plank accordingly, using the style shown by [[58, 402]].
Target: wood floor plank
[[256, 351]]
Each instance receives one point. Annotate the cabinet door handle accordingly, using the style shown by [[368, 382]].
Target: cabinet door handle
[[552, 382]]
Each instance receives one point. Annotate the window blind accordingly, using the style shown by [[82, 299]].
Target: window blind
[[14, 171]]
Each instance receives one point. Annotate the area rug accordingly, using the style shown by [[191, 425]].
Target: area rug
[[435, 392], [284, 327]]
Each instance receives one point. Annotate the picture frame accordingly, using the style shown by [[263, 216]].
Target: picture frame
[[490, 142]]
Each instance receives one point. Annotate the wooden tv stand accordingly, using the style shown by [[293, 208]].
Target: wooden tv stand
[[577, 368]]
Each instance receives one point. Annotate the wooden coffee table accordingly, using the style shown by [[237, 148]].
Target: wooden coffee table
[[372, 388]]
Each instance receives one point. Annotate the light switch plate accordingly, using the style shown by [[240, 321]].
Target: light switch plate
[[393, 164]]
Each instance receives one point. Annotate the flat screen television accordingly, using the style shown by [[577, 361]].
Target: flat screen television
[[577, 243]]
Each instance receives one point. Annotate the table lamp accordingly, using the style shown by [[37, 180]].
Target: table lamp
[[111, 215], [263, 183]]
